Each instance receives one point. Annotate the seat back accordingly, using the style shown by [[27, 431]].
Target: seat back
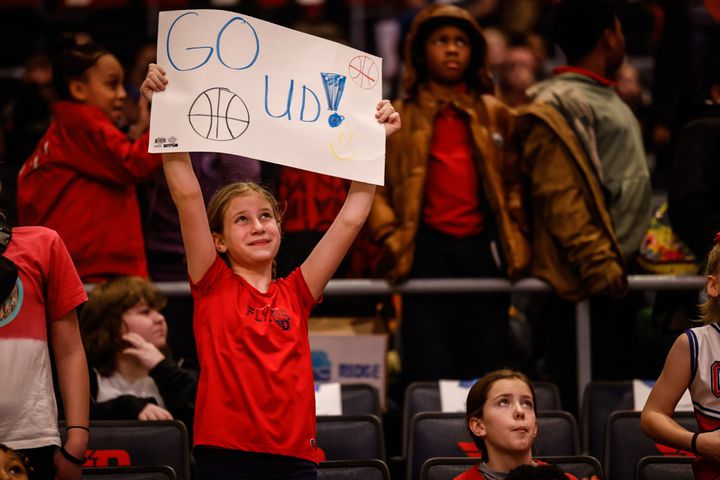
[[436, 434], [626, 444], [353, 470], [425, 397], [149, 472], [359, 398], [446, 468], [600, 399], [665, 468], [351, 437], [120, 443]]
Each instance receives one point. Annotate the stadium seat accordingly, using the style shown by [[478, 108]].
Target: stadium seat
[[359, 399], [436, 434], [665, 468], [425, 397], [626, 444], [447, 468], [120, 443], [150, 472], [351, 437], [353, 470], [600, 399]]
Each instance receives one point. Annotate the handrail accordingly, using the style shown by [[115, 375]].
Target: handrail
[[367, 287], [364, 286]]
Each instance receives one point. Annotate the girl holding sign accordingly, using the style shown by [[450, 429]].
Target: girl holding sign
[[255, 415]]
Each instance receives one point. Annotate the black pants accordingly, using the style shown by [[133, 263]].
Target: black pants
[[42, 462], [460, 336], [224, 464]]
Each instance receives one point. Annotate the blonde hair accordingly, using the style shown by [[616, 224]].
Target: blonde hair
[[710, 309]]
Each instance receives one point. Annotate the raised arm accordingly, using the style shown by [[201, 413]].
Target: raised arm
[[186, 193], [187, 196], [325, 258]]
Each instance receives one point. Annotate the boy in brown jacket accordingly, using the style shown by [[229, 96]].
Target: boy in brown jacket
[[451, 205]]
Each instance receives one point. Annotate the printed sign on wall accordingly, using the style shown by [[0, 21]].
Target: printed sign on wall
[[244, 86]]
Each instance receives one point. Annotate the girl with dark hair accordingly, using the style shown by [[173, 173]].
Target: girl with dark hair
[[80, 179], [502, 419], [125, 338]]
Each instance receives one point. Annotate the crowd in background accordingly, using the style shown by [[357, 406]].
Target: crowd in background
[[669, 82]]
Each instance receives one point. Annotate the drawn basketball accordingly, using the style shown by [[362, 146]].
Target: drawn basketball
[[219, 114], [363, 71]]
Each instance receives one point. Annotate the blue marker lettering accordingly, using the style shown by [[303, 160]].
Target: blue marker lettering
[[289, 100], [167, 45]]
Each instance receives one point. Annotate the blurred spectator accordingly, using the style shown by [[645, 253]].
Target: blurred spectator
[[25, 119], [451, 205], [497, 48], [80, 180], [131, 373], [517, 73], [590, 190], [692, 197]]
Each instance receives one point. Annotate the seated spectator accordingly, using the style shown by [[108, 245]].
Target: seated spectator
[[132, 375], [13, 465], [502, 418]]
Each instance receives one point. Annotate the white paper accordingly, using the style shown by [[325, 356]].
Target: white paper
[[244, 86], [641, 391], [453, 394], [328, 399]]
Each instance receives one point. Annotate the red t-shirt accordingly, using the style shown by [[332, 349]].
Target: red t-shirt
[[452, 202], [47, 289], [80, 181], [256, 390]]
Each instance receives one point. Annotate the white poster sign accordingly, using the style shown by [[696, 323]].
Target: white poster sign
[[350, 359], [641, 392], [453, 394], [244, 86]]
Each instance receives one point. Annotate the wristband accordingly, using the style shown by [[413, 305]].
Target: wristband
[[71, 458], [693, 443], [78, 426]]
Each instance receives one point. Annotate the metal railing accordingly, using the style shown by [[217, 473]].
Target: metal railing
[[355, 287]]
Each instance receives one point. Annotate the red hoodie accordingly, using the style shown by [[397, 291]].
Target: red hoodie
[[80, 181]]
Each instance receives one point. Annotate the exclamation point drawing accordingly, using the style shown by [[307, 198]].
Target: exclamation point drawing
[[334, 84]]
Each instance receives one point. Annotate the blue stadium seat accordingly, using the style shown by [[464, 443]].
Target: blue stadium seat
[[626, 444], [665, 468], [600, 399], [119, 443], [359, 398], [353, 470], [156, 472], [351, 437]]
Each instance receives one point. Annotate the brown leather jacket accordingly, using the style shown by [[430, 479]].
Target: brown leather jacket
[[573, 241], [395, 214]]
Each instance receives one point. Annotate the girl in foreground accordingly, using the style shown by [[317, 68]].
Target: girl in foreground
[[255, 409]]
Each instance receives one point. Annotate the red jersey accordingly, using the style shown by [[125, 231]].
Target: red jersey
[[256, 390], [80, 182]]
